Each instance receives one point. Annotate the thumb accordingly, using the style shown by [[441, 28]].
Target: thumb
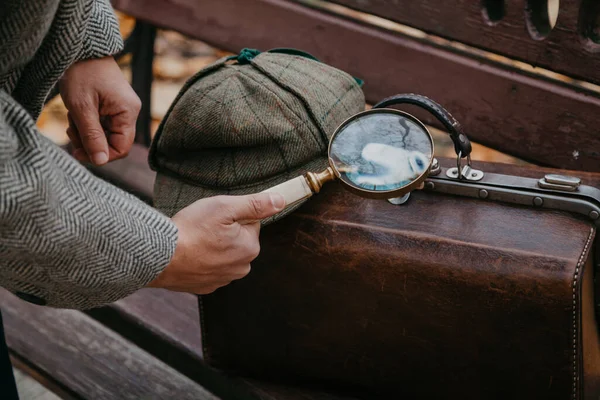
[[254, 207], [91, 133]]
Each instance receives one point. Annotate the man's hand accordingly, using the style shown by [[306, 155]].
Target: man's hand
[[215, 246], [103, 109]]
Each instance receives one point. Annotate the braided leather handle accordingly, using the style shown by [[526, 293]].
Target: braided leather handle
[[462, 145]]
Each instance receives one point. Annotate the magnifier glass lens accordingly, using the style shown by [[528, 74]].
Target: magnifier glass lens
[[381, 152]]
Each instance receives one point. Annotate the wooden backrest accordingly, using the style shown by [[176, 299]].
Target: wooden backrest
[[460, 53], [519, 29]]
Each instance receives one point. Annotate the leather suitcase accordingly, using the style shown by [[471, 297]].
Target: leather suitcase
[[441, 297]]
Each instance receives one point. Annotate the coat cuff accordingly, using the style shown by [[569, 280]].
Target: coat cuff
[[102, 36]]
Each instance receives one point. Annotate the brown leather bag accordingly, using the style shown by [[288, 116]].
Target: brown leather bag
[[442, 297]]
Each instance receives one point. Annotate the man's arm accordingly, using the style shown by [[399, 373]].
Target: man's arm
[[71, 240], [67, 237]]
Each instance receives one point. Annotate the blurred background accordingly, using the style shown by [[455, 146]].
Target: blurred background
[[176, 59]]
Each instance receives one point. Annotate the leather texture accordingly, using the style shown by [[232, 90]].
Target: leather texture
[[443, 297]]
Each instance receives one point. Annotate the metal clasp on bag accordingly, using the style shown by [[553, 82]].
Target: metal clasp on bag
[[467, 172], [553, 191], [560, 182]]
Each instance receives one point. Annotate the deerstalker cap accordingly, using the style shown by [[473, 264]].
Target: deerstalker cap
[[247, 123]]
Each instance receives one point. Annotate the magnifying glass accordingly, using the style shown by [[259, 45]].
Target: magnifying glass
[[382, 153]]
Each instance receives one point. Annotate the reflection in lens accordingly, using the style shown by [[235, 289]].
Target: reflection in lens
[[381, 151]]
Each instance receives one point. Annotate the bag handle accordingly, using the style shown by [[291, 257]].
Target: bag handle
[[462, 145]]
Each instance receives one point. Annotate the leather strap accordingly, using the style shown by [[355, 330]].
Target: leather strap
[[462, 145]]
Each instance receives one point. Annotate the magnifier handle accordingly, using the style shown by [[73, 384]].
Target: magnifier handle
[[293, 191]]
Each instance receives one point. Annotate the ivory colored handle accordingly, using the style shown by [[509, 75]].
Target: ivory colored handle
[[293, 191]]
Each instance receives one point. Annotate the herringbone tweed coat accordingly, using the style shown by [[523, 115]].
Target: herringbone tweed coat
[[67, 239]]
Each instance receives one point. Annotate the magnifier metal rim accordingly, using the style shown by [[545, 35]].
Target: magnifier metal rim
[[376, 194]]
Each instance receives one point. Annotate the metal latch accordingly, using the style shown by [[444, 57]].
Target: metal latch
[[560, 182], [468, 173], [556, 192]]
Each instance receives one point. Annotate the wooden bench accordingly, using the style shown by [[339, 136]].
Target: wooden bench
[[514, 83]]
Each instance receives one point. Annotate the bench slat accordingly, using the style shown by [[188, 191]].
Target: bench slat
[[563, 50], [87, 358], [165, 324], [527, 117]]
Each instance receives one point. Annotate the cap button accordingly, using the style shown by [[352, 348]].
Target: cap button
[[246, 55]]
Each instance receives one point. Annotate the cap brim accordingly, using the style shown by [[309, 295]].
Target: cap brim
[[172, 194]]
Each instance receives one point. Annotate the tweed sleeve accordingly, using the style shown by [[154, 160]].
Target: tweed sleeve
[[102, 34], [67, 238]]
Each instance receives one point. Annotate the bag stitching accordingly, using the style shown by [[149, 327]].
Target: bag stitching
[[575, 336]]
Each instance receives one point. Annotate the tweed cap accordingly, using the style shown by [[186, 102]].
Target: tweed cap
[[247, 123]]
